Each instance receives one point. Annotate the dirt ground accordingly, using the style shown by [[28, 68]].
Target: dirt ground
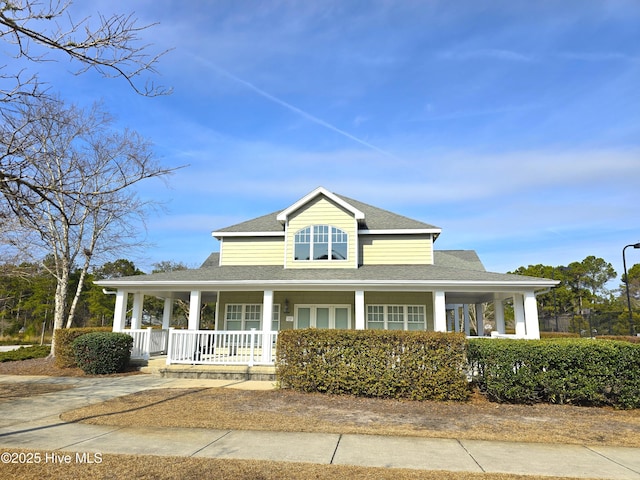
[[285, 410], [46, 366]]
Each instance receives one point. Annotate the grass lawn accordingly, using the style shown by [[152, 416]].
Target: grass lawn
[[283, 410]]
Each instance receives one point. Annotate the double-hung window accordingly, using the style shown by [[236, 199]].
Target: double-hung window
[[320, 242], [396, 317], [243, 316]]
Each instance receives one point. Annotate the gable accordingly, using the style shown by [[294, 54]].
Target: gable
[[317, 193], [321, 211]]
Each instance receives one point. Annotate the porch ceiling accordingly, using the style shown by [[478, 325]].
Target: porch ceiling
[[207, 297], [450, 297], [468, 297]]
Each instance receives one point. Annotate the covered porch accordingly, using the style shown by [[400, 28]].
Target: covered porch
[[247, 322]]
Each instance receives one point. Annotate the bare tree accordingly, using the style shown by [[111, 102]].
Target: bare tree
[[68, 178], [39, 31]]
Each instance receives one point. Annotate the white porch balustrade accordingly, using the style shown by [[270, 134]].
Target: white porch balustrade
[[215, 347], [147, 342]]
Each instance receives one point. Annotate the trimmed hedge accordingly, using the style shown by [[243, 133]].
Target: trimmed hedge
[[102, 353], [374, 363], [578, 372], [64, 338]]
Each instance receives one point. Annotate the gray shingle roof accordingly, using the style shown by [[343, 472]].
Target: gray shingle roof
[[450, 266], [265, 223], [463, 259], [379, 219], [375, 219]]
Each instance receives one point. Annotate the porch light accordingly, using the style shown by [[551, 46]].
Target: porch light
[[285, 309], [626, 281]]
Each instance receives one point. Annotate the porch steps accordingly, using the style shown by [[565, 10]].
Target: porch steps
[[158, 366]]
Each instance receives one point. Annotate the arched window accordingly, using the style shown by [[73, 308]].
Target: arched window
[[320, 242]]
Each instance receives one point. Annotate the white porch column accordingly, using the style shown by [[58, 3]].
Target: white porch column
[[195, 300], [359, 307], [467, 319], [518, 312], [531, 316], [480, 319], [267, 310], [219, 325], [498, 308], [166, 313], [439, 312], [136, 314], [120, 311], [267, 317]]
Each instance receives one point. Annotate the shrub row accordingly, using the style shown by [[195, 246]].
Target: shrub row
[[102, 353], [372, 363], [579, 372], [25, 353], [64, 338]]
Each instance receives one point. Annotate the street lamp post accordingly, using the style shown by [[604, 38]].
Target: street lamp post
[[626, 281]]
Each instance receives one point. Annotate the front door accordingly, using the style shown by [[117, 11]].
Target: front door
[[323, 316]]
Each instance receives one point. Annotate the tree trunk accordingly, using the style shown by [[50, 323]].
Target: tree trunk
[[59, 308], [76, 297]]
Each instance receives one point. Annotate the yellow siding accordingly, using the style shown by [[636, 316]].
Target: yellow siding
[[322, 211], [396, 249], [252, 251]]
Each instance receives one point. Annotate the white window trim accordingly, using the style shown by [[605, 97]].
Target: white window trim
[[386, 308], [329, 243], [275, 317], [332, 315], [243, 320]]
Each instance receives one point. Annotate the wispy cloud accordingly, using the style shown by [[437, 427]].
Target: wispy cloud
[[484, 54], [294, 109], [599, 56]]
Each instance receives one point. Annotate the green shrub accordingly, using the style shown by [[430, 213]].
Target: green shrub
[[373, 363], [25, 353], [64, 338], [102, 353], [570, 371]]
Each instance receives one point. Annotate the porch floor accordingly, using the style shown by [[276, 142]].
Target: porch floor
[[157, 365]]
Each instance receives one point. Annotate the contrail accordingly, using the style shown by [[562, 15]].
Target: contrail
[[295, 109]]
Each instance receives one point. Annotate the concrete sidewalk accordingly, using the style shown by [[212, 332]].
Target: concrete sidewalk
[[33, 423]]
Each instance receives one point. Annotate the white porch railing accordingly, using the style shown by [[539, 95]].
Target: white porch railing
[[147, 342], [213, 347]]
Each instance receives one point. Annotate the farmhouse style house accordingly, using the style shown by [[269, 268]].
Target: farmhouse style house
[[327, 261]]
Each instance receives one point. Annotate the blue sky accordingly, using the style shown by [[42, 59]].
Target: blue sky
[[512, 125]]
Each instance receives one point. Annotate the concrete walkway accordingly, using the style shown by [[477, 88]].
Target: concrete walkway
[[33, 423]]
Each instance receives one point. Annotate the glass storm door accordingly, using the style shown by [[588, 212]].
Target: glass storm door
[[323, 316], [304, 317]]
